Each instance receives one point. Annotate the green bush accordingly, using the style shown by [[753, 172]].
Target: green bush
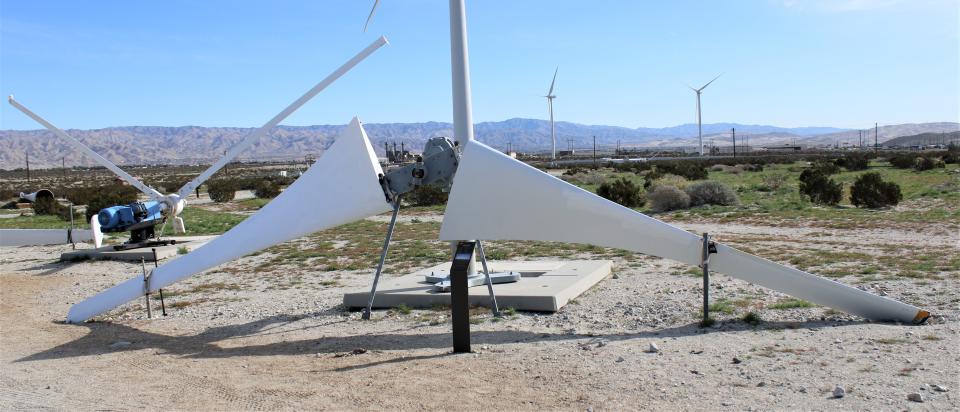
[[820, 188], [870, 191], [854, 161], [622, 191], [690, 169], [926, 163], [266, 189], [221, 190], [711, 193], [825, 167], [428, 195], [665, 198], [902, 160]]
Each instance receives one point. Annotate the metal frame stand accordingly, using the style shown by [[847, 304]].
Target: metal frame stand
[[383, 258], [486, 274], [707, 249], [146, 286], [163, 307]]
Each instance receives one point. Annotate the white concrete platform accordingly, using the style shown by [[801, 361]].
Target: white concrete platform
[[134, 255], [545, 286]]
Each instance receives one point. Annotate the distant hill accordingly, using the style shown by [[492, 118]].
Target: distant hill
[[924, 139], [194, 144]]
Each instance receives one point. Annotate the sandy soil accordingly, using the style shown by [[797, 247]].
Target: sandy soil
[[252, 345]]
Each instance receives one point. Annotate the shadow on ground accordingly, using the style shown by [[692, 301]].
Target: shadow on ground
[[204, 344]]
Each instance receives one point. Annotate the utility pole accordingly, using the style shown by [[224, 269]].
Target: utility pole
[[876, 136], [618, 147], [63, 165], [733, 132], [594, 151], [28, 167]]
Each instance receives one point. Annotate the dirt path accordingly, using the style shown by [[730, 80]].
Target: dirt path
[[294, 348]]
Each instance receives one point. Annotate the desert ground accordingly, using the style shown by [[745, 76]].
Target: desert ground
[[268, 331]]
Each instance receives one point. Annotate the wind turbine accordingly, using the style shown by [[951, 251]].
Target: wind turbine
[[699, 124], [553, 131], [493, 197], [141, 217]]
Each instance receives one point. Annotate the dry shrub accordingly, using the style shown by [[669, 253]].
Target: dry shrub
[[711, 193], [773, 182], [679, 182], [665, 198]]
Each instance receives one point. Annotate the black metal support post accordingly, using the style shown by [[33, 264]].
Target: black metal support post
[[383, 258], [486, 274], [146, 286], [460, 297], [163, 307], [708, 248]]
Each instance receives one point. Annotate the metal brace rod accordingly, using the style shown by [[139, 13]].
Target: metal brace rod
[[146, 286], [383, 258], [163, 307], [486, 274]]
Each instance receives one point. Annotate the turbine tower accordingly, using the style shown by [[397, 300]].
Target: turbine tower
[[699, 124], [553, 131]]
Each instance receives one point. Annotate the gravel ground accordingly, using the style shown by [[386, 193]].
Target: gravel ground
[[234, 339]]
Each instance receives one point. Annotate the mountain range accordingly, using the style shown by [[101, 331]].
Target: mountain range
[[203, 145]]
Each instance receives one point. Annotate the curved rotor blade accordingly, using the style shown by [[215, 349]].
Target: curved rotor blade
[[708, 83], [370, 16], [554, 81], [155, 195], [187, 189], [527, 204], [341, 187]]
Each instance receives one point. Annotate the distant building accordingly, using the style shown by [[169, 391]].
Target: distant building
[[784, 148]]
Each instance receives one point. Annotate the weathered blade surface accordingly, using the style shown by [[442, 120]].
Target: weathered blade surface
[[339, 188], [495, 197]]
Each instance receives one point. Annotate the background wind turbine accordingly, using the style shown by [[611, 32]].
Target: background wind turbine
[[699, 124], [553, 131]]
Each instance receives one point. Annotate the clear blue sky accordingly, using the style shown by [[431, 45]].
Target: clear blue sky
[[844, 63]]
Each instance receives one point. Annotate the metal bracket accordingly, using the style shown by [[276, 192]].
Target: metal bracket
[[708, 248]]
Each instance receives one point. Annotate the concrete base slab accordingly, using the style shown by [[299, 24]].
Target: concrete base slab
[[545, 286], [134, 255]]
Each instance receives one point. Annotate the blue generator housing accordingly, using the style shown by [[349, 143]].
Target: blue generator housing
[[123, 218]]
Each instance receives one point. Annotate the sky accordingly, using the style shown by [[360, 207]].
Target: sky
[[790, 63]]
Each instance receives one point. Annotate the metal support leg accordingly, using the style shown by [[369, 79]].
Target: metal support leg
[[486, 274], [383, 258], [163, 307], [146, 287], [706, 278]]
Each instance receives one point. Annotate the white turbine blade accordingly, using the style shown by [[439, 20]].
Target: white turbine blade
[[32, 237], [370, 16], [527, 204], [187, 189], [708, 83], [343, 186], [89, 152], [554, 81]]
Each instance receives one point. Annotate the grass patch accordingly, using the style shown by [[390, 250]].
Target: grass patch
[[791, 303]]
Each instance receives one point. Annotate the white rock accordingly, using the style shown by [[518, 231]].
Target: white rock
[[653, 348], [916, 397], [938, 388]]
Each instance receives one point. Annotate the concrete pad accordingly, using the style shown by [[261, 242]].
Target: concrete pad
[[134, 255], [545, 286]]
